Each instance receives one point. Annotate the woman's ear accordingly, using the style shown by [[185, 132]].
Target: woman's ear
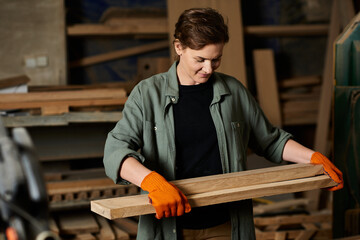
[[178, 47]]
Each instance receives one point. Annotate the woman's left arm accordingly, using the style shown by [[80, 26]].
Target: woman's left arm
[[297, 153]]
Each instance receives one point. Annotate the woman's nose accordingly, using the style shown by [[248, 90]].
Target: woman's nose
[[207, 67]]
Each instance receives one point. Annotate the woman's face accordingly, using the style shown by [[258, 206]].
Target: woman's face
[[196, 66]]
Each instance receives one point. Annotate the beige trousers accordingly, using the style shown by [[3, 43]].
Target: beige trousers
[[220, 232]]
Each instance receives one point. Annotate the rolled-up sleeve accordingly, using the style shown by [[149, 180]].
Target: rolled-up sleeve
[[125, 139], [265, 139]]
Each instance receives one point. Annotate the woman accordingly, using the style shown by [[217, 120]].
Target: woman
[[189, 122]]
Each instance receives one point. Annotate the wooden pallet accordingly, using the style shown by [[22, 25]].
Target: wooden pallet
[[76, 193]]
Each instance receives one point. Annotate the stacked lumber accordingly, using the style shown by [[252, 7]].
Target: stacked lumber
[[299, 99], [60, 102], [224, 188], [295, 226], [83, 225], [293, 101]]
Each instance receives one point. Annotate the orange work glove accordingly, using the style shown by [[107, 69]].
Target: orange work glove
[[166, 198], [329, 169]]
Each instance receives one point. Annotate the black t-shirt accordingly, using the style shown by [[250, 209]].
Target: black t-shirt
[[197, 150]]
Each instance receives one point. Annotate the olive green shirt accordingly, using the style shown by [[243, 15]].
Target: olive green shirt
[[146, 132]]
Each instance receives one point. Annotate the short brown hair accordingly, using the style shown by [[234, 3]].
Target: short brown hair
[[198, 27]]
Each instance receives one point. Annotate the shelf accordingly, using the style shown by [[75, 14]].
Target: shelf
[[287, 30]]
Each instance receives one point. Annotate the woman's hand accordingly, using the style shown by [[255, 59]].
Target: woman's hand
[[166, 198], [329, 169]]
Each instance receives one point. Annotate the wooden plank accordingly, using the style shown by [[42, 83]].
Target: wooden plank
[[234, 49], [83, 236], [14, 81], [294, 219], [54, 110], [300, 105], [305, 235], [309, 226], [288, 95], [128, 225], [322, 127], [63, 187], [106, 233], [128, 26], [287, 30], [127, 86], [77, 223], [299, 118], [280, 235], [247, 178], [119, 233], [63, 104], [53, 226], [292, 234], [119, 54], [300, 81], [137, 205], [61, 120], [62, 95], [266, 85], [276, 206]]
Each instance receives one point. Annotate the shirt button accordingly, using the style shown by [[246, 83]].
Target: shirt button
[[173, 99], [155, 128], [174, 230]]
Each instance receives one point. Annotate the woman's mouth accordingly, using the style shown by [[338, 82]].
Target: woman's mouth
[[204, 75]]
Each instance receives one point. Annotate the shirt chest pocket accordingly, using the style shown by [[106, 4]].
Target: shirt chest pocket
[[238, 145], [237, 132]]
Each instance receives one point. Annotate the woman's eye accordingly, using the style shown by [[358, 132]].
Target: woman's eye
[[200, 60]]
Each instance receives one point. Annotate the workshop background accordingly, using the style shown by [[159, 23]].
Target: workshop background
[[75, 62]]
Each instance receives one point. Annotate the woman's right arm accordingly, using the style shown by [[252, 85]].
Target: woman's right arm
[[133, 171]]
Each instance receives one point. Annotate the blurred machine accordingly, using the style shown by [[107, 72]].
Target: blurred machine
[[346, 204], [23, 198]]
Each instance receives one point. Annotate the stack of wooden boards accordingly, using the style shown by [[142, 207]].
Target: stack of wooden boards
[[299, 98], [223, 188], [62, 101], [83, 225], [295, 226], [292, 101]]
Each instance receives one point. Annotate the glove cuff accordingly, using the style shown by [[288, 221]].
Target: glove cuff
[[152, 181], [315, 158]]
